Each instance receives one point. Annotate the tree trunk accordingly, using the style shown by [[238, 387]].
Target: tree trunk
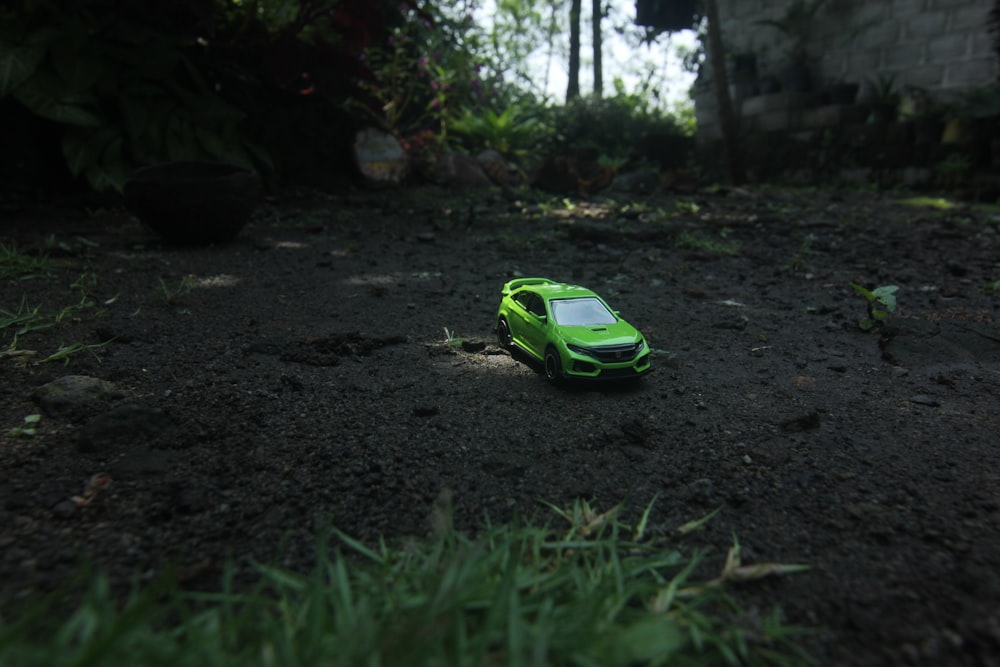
[[727, 119], [598, 64], [573, 89]]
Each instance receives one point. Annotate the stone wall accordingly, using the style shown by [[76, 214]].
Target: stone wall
[[942, 47]]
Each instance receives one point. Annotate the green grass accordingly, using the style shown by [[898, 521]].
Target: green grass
[[596, 594], [708, 245], [26, 319], [939, 203], [16, 265]]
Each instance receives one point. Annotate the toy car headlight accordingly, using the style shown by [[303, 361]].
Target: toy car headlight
[[579, 350]]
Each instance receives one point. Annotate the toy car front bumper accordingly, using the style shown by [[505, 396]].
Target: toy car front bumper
[[580, 367]]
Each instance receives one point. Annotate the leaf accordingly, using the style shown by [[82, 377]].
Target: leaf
[[697, 524], [863, 292], [73, 59], [44, 96], [649, 638], [640, 530], [84, 148], [18, 63], [595, 523], [886, 296]]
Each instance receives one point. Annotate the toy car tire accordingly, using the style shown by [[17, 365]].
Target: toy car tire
[[504, 339], [553, 366]]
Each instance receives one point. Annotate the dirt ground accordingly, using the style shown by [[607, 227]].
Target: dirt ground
[[303, 372]]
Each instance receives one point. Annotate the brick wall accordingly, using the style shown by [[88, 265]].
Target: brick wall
[[941, 46]]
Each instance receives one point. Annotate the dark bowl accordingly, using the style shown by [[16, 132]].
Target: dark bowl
[[193, 202]]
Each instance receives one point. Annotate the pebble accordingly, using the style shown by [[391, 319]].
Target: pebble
[[924, 399]]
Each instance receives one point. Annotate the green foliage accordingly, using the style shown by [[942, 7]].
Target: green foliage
[[881, 301], [982, 102], [954, 169], [882, 90], [512, 132], [618, 127], [124, 90], [596, 593], [422, 76]]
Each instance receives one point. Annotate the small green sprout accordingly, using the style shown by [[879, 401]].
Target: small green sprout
[[28, 429], [173, 292], [451, 339], [881, 302]]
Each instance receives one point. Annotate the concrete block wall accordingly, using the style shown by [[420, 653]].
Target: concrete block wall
[[941, 46]]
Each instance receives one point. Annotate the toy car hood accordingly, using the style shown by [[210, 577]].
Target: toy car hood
[[619, 333]]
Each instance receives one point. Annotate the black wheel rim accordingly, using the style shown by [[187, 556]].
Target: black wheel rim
[[551, 366], [503, 335]]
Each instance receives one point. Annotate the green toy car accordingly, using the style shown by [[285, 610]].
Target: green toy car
[[570, 330]]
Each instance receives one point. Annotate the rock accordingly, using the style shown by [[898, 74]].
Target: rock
[[72, 392], [494, 166], [458, 170], [807, 422], [188, 498], [123, 424], [473, 346], [916, 343], [701, 490], [643, 181], [64, 509], [380, 157], [923, 399], [144, 462]]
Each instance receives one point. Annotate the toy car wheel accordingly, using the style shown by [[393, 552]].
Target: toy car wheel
[[504, 339], [553, 366]]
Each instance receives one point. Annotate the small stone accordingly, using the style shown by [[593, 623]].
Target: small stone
[[64, 509], [124, 424], [805, 422], [473, 346], [923, 399], [672, 361], [73, 391]]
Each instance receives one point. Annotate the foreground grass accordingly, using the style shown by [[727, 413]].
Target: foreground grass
[[516, 595]]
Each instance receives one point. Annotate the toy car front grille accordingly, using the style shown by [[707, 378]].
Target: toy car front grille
[[614, 353]]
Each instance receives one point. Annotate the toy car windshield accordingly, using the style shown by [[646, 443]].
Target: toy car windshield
[[581, 312]]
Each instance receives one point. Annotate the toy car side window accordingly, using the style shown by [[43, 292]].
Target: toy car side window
[[536, 306], [524, 299]]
